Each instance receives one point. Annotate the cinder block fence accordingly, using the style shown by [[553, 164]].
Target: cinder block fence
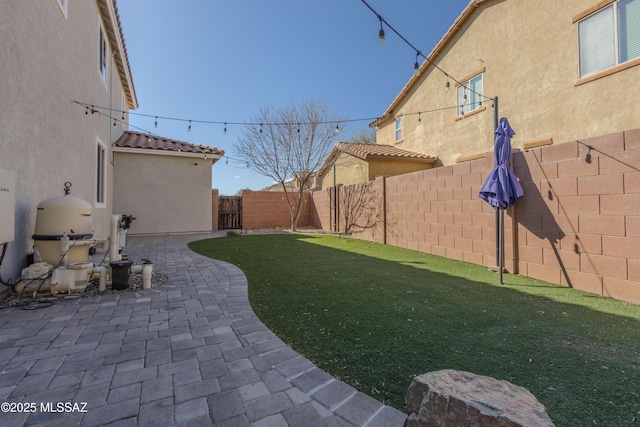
[[578, 224]]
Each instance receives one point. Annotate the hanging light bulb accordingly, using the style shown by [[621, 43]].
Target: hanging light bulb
[[227, 160], [337, 128], [225, 132], [260, 127], [381, 39], [465, 98], [189, 128], [86, 111], [155, 125], [298, 127], [114, 122], [447, 85], [419, 118], [123, 115], [416, 66]]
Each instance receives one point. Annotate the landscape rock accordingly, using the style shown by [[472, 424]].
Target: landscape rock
[[451, 398]]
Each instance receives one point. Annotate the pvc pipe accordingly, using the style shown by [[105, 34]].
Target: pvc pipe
[[147, 271], [102, 281], [64, 249], [114, 246]]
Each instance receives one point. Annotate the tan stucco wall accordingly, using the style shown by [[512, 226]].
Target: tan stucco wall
[[353, 170], [45, 139], [392, 168], [166, 194], [348, 170], [530, 54]]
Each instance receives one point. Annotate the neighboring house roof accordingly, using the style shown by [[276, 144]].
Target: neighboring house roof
[[142, 141], [430, 59], [374, 151], [113, 28], [291, 186]]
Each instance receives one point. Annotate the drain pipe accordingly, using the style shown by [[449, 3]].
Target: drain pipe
[[102, 281], [114, 244], [147, 271]]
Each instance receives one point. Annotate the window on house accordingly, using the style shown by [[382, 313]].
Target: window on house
[[101, 164], [399, 129], [609, 37], [103, 55], [470, 95]]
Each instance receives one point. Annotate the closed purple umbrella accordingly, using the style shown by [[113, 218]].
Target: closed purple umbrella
[[501, 188]]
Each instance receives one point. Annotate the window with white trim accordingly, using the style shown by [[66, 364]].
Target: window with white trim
[[103, 55], [101, 172], [470, 95], [609, 37], [399, 129]]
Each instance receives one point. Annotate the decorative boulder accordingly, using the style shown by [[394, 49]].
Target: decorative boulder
[[451, 398]]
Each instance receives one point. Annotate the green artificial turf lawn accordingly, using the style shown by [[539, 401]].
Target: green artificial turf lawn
[[374, 316]]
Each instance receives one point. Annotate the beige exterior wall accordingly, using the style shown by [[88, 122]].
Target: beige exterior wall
[[529, 53], [50, 58], [353, 170], [392, 168], [348, 170], [166, 193]]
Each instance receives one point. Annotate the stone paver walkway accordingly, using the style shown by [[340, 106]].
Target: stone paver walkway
[[190, 352]]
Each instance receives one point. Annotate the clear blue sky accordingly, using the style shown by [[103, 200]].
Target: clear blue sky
[[223, 60]]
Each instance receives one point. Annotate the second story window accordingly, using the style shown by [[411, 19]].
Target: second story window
[[470, 95], [609, 37], [399, 129], [103, 55]]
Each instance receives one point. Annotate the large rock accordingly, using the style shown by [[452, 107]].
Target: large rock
[[455, 398]]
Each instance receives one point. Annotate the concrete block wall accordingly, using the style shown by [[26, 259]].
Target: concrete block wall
[[267, 210], [578, 224]]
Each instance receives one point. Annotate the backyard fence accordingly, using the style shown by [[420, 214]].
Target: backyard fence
[[577, 225]]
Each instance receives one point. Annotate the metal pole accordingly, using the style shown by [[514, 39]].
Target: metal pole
[[335, 201], [501, 251], [498, 224]]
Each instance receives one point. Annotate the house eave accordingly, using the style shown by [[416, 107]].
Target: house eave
[[206, 156]]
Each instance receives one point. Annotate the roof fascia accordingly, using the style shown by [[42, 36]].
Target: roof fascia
[[128, 150], [426, 65], [114, 33]]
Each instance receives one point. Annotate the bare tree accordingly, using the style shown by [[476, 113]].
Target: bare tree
[[289, 143], [365, 136]]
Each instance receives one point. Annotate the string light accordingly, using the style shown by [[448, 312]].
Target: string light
[[155, 125], [123, 116], [447, 85], [225, 132], [416, 66], [189, 128], [337, 128], [419, 118], [86, 111], [381, 39], [382, 20], [114, 122]]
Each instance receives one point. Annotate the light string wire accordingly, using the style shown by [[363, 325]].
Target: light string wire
[[419, 53], [108, 113]]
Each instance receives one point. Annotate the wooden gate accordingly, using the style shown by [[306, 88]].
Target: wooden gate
[[230, 212]]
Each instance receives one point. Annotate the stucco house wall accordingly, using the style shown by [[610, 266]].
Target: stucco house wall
[[50, 57], [528, 54], [166, 193]]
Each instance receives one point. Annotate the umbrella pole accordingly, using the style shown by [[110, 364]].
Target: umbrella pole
[[501, 244]]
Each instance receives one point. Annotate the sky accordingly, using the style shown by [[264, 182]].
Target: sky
[[224, 60]]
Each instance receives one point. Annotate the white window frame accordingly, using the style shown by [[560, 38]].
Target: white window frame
[[398, 129], [103, 55], [610, 44], [101, 174], [64, 7], [470, 94]]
